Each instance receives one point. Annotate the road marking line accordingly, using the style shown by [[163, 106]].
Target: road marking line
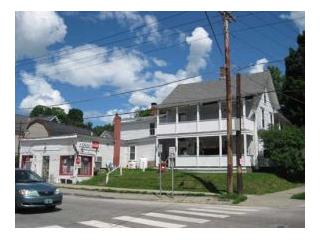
[[52, 226], [233, 208], [199, 214], [176, 217], [149, 222], [99, 224], [216, 211]]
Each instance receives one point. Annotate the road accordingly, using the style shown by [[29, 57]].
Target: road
[[81, 212]]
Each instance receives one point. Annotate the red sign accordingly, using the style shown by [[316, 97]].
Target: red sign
[[78, 160], [95, 144]]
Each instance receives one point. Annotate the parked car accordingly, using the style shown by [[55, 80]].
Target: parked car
[[33, 192]]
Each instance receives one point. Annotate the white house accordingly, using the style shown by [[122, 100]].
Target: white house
[[193, 120], [63, 154]]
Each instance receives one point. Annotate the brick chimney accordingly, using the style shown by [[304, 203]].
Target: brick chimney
[[222, 73], [153, 109], [117, 140]]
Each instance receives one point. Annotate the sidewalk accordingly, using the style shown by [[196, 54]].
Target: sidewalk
[[137, 194], [277, 199]]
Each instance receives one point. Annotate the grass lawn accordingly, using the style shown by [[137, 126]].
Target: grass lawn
[[254, 183], [299, 196]]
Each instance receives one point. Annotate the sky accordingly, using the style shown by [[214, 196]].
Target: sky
[[71, 56]]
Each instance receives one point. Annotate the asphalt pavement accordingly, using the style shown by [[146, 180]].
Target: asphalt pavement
[[83, 212]]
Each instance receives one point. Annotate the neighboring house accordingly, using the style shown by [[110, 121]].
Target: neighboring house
[[21, 123], [62, 153], [193, 120]]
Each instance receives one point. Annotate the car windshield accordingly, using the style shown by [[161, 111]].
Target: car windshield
[[25, 176]]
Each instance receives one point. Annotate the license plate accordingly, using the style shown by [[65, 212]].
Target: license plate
[[48, 201]]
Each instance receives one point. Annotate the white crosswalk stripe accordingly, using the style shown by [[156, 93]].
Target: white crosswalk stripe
[[217, 211], [176, 217], [149, 222], [199, 213], [99, 224], [52, 226], [234, 208]]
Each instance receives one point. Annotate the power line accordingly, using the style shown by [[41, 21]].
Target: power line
[[126, 92], [113, 35], [215, 37]]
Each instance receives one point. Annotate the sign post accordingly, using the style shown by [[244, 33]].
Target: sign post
[[160, 167], [172, 155]]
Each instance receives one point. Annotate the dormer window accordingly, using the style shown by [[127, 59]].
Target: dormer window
[[152, 129], [265, 98]]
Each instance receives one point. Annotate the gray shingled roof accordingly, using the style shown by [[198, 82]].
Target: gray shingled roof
[[59, 129], [207, 91]]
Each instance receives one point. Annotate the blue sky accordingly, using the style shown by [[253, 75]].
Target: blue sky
[[69, 56]]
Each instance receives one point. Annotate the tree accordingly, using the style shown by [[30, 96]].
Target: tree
[[285, 148], [293, 96], [143, 113], [75, 117], [43, 111], [278, 80], [99, 129]]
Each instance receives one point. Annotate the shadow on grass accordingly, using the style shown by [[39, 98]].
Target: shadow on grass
[[207, 184], [291, 177]]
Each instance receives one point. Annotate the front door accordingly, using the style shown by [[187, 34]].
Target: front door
[[45, 168]]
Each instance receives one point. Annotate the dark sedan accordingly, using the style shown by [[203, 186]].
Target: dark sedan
[[33, 192]]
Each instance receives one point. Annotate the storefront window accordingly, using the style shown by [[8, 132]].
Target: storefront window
[[209, 145], [187, 146], [86, 166], [66, 165], [26, 162]]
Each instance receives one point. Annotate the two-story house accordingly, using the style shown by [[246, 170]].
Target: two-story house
[[192, 118]]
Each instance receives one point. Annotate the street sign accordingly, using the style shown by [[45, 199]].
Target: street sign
[[172, 152]]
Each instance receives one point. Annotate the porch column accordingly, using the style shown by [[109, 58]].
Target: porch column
[[158, 121], [198, 152], [245, 147], [220, 115], [198, 117], [177, 119], [157, 154], [220, 150]]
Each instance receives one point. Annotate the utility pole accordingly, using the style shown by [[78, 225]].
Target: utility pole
[[227, 18], [239, 137]]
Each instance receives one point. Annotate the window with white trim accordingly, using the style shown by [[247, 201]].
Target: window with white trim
[[132, 152]]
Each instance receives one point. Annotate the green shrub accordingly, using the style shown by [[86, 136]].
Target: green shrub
[[285, 148]]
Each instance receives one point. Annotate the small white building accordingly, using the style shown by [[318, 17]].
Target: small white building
[[61, 158]]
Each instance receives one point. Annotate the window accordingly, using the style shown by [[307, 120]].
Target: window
[[262, 117], [209, 111], [187, 146], [132, 152], [26, 162], [234, 145], [66, 165], [167, 115], [265, 98], [271, 119], [86, 166], [250, 149], [209, 145], [224, 109], [187, 113], [249, 104], [152, 127], [98, 163]]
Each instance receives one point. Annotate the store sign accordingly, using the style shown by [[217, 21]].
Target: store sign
[[85, 147], [95, 144]]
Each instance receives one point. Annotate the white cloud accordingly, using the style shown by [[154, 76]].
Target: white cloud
[[40, 93], [297, 18], [92, 66], [259, 66], [134, 20], [200, 47], [159, 62], [35, 31]]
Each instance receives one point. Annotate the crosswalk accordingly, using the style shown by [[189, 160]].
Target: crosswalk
[[169, 218]]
